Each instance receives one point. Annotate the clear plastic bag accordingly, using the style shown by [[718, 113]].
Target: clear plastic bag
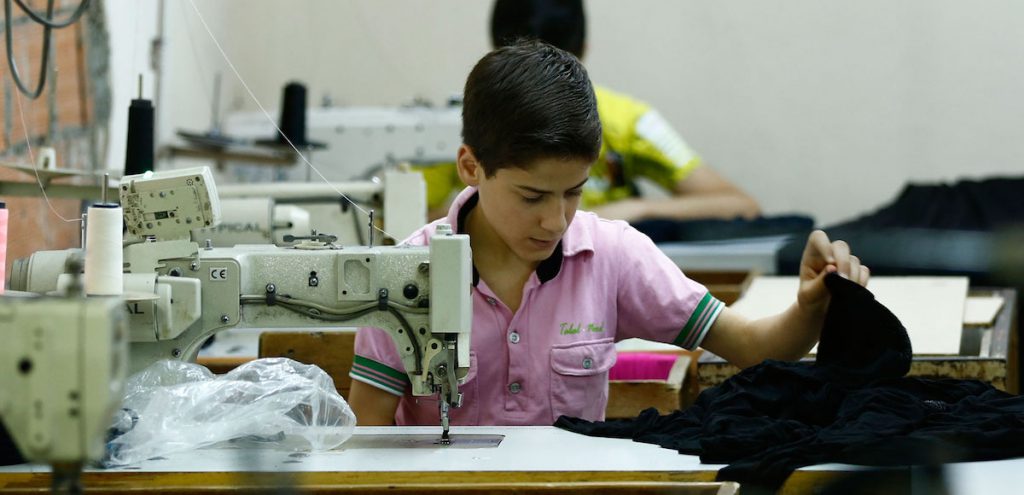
[[173, 406]]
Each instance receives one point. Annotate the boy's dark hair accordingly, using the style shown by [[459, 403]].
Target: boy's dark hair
[[557, 22], [526, 102]]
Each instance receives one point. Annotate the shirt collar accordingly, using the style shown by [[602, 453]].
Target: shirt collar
[[577, 238]]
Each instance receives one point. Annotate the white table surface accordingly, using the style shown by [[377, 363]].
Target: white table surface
[[529, 449], [524, 448]]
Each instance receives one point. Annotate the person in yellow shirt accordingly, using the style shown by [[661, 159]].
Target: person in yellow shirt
[[637, 141]]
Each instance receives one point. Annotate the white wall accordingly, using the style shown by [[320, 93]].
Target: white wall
[[827, 106], [187, 60], [131, 25], [819, 106]]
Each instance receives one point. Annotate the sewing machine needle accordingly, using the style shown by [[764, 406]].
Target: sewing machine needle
[[445, 437]]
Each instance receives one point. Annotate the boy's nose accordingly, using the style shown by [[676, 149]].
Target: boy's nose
[[554, 218]]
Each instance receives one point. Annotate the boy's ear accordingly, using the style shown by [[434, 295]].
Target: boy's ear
[[470, 170]]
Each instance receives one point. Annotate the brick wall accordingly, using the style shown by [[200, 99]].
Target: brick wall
[[69, 116]]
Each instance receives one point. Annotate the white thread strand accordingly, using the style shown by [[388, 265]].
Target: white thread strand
[[35, 166], [203, 73], [270, 119], [104, 258]]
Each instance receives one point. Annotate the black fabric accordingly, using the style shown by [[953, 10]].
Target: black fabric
[[974, 205], [861, 339], [9, 453], [667, 230], [911, 251], [934, 229], [853, 405]]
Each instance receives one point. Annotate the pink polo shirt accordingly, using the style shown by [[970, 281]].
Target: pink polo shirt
[[605, 282]]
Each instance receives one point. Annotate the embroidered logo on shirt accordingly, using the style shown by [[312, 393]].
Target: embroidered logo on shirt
[[570, 328]]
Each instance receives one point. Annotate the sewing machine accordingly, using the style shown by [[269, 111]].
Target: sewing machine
[[65, 360], [179, 294], [366, 149], [359, 139], [264, 213]]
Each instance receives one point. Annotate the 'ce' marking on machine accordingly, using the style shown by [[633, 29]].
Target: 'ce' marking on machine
[[218, 274]]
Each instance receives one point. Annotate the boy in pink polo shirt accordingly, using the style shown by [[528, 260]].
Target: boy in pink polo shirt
[[554, 288]]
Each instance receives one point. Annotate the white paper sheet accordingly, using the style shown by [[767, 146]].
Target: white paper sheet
[[931, 308]]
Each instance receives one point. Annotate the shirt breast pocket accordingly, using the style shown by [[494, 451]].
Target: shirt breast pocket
[[579, 378]]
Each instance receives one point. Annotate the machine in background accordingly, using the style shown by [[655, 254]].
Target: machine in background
[[264, 213]]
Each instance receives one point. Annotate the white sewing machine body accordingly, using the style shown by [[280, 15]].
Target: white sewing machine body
[[177, 295], [66, 360], [263, 213], [174, 307]]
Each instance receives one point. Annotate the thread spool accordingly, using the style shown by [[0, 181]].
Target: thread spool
[[139, 154], [3, 245], [46, 158], [293, 119], [104, 259], [293, 113]]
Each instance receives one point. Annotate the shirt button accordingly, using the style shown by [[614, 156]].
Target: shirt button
[[588, 363], [513, 337], [491, 301], [514, 388]]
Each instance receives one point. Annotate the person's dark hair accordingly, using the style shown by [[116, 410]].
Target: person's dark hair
[[557, 22], [526, 102]]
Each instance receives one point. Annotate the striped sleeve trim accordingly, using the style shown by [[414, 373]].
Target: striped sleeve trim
[[700, 321], [381, 376]]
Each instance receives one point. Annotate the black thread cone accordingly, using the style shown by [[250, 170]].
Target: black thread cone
[[139, 153], [293, 118], [293, 113]]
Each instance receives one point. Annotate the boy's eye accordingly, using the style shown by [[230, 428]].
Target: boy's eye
[[532, 199], [574, 192]]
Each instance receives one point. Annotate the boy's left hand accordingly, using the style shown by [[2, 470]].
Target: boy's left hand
[[821, 257]]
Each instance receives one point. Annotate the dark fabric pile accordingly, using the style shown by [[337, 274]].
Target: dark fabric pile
[[972, 205], [853, 405], [933, 229]]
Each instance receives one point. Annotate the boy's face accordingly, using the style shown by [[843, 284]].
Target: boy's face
[[530, 208]]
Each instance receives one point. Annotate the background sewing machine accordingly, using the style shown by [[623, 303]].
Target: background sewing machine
[[178, 295], [363, 150], [263, 213], [359, 140]]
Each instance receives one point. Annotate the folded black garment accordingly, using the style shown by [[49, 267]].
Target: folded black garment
[[930, 229], [966, 205], [853, 405]]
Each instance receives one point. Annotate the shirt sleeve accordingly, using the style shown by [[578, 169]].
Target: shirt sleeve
[[659, 151], [656, 301], [377, 362], [442, 181]]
